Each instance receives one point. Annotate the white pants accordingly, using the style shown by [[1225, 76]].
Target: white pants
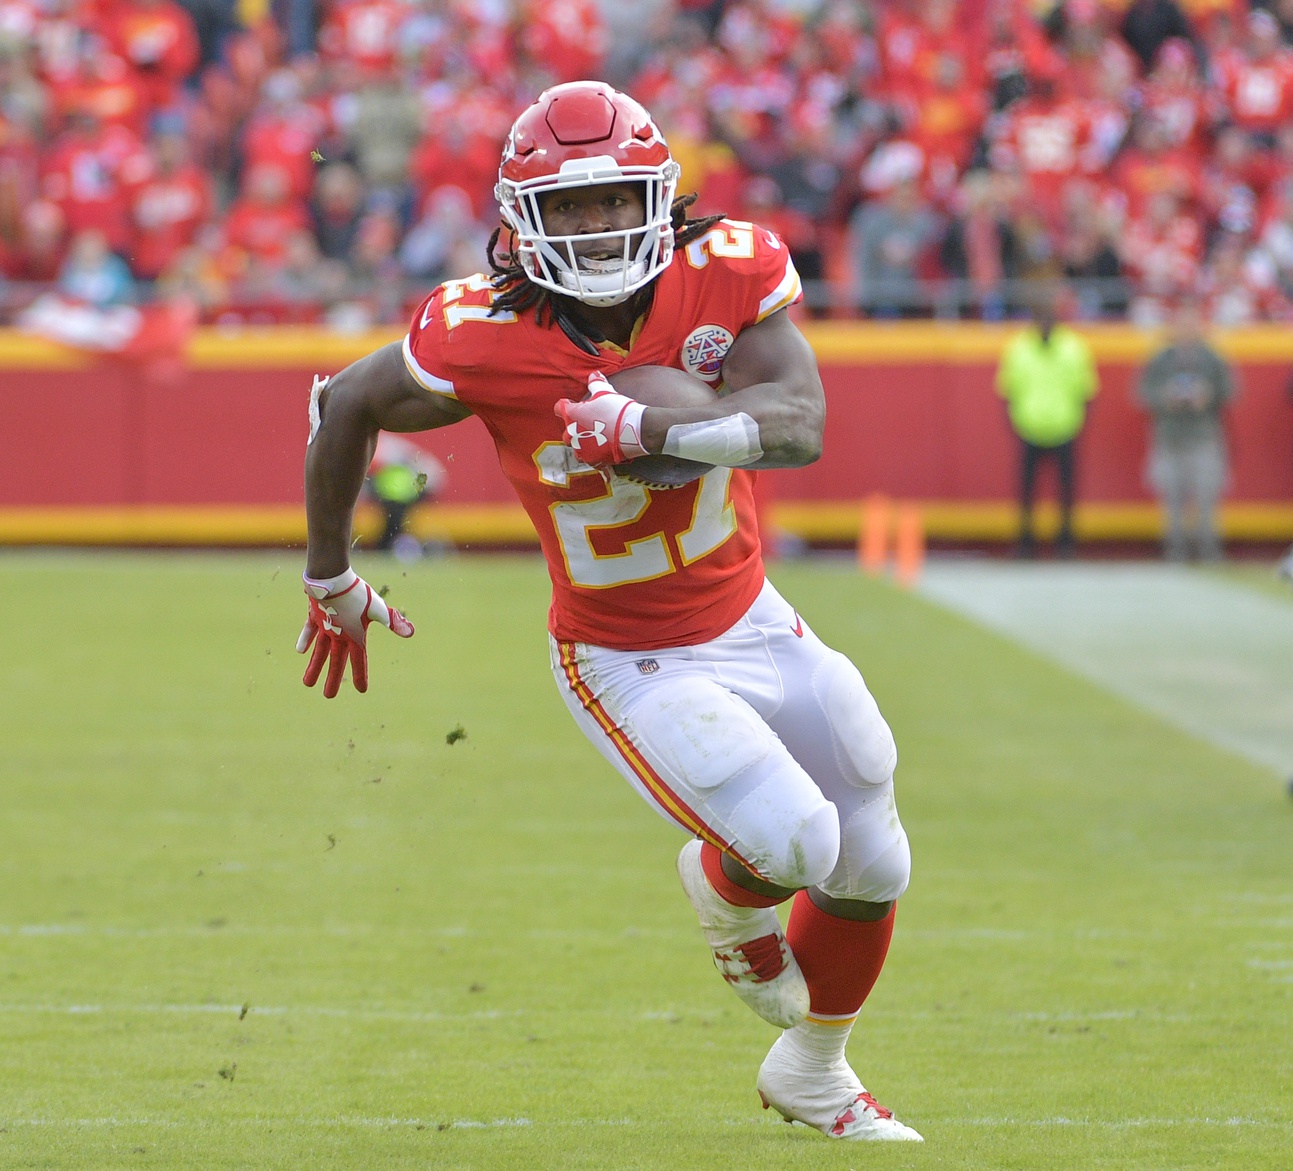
[[764, 741]]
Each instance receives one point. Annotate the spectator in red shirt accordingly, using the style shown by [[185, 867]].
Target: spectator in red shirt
[[107, 87], [365, 32], [454, 153], [900, 36], [284, 131], [91, 174], [944, 117], [1109, 106], [262, 219], [563, 40], [1173, 95], [1045, 139], [168, 207], [158, 40], [1260, 93], [1161, 252], [1149, 165]]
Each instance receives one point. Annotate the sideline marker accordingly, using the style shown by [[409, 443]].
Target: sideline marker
[[909, 558], [873, 535]]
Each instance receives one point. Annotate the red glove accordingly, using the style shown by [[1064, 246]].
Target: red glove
[[341, 610], [603, 428]]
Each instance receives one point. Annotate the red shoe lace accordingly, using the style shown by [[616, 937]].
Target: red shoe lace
[[846, 1115], [870, 1101]]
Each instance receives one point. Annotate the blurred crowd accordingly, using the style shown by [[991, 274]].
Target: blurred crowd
[[287, 160]]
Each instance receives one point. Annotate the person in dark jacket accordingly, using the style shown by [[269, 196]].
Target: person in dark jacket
[[1185, 388], [1148, 23]]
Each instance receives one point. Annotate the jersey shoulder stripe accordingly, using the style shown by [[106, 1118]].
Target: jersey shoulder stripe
[[425, 378], [788, 291]]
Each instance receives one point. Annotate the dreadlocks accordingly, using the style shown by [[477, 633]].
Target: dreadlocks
[[517, 293]]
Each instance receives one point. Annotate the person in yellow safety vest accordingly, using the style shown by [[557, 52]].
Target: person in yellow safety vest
[[400, 475], [1047, 377]]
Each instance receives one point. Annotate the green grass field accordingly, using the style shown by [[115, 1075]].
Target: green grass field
[[242, 927]]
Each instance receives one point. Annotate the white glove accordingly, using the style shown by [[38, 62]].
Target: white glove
[[341, 610], [604, 427]]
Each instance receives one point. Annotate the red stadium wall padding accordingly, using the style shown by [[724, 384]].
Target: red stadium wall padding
[[234, 435], [933, 431]]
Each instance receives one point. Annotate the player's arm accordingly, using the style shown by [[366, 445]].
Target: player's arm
[[377, 393], [769, 375], [771, 416]]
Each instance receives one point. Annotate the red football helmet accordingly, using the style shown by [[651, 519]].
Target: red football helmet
[[576, 135]]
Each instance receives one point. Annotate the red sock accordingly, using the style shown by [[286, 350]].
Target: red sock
[[711, 860], [841, 958]]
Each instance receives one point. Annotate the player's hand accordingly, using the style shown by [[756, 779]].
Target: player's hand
[[341, 610], [603, 428]]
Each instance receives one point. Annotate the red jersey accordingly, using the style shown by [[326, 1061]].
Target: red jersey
[[365, 32], [167, 212], [1048, 143], [564, 38], [160, 42], [262, 231], [632, 568], [1260, 94], [285, 139], [1141, 175], [91, 178]]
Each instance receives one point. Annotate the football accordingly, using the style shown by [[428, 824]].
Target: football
[[662, 386]]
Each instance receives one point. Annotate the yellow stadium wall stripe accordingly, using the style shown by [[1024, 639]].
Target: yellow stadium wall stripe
[[496, 525], [315, 347]]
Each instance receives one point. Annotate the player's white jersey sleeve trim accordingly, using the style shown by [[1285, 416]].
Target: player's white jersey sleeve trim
[[786, 293], [425, 378]]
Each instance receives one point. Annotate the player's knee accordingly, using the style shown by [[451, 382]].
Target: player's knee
[[884, 879], [811, 850], [862, 737], [875, 870]]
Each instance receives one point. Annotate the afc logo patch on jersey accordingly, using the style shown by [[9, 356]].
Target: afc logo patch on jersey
[[704, 350]]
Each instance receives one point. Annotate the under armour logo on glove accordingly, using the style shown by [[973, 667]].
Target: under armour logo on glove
[[605, 427], [574, 436]]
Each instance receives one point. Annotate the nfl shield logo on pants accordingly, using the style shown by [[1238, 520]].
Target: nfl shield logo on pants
[[648, 666]]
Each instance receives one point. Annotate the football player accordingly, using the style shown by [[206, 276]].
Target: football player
[[677, 658]]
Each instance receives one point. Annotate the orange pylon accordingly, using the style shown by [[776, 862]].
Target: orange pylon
[[909, 551], [873, 535]]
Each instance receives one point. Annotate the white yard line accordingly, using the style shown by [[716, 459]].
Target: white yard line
[[364, 1122], [1116, 1123], [1146, 1016], [1209, 656], [237, 1010]]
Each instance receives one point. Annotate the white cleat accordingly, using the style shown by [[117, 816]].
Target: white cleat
[[749, 947], [829, 1099]]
